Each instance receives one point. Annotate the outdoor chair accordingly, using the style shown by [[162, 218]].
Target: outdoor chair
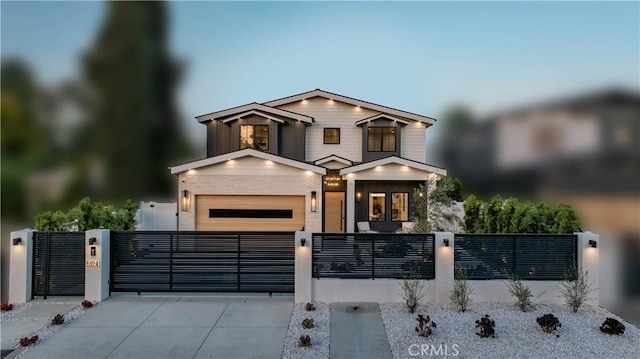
[[364, 227]]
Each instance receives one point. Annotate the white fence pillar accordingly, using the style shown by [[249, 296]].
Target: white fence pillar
[[97, 265], [444, 265], [20, 266], [589, 262], [351, 205], [303, 271]]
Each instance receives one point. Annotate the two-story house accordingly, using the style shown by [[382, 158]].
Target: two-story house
[[316, 160]]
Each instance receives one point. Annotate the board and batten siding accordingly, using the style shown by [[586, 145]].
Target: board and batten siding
[[335, 114]]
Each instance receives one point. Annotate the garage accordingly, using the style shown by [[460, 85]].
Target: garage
[[249, 213]]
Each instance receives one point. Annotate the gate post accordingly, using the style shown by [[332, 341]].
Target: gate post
[[97, 264], [21, 266], [589, 261], [443, 255], [303, 274]]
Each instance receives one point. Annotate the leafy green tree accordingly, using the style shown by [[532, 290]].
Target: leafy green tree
[[491, 212], [565, 220], [506, 215], [472, 221], [89, 215], [544, 215], [451, 186], [434, 208]]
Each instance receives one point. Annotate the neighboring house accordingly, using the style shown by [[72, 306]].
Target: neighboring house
[[316, 160]]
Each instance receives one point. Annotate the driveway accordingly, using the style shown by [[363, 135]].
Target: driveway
[[174, 327]]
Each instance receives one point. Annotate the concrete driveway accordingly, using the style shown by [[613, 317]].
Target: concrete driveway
[[174, 327]]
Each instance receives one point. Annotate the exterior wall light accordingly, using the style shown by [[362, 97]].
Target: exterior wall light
[[313, 201], [184, 203], [593, 243], [358, 196], [92, 241], [17, 241], [446, 242], [303, 242]]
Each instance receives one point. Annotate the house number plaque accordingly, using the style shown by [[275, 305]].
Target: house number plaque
[[93, 264]]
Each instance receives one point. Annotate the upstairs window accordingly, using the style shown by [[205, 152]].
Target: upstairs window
[[331, 136], [254, 136], [381, 139]]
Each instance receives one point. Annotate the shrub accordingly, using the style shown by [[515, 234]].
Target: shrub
[[309, 307], [57, 320], [5, 307], [521, 292], [86, 304], [487, 327], [397, 247], [413, 289], [307, 323], [304, 341], [575, 288], [612, 326], [26, 341], [460, 295], [549, 323], [425, 326]]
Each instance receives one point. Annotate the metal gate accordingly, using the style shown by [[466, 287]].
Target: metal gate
[[162, 261], [58, 263]]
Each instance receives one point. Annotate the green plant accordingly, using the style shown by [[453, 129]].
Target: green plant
[[487, 327], [451, 187], [89, 215], [307, 323], [612, 326], [521, 292], [460, 295], [434, 206], [413, 289], [397, 247], [575, 288], [472, 221], [304, 341], [309, 307], [549, 323], [26, 341], [425, 326], [491, 213], [57, 320], [565, 220]]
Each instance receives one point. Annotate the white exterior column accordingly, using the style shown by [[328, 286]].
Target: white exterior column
[[351, 205], [589, 262], [21, 267], [98, 265], [444, 266], [303, 270]]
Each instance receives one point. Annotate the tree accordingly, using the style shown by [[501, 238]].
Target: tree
[[491, 213], [472, 221], [89, 215], [506, 215], [434, 208], [452, 187], [137, 134], [565, 220]]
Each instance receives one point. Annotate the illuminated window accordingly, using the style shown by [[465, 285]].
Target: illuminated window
[[331, 136], [377, 207], [399, 206], [254, 136], [381, 139]]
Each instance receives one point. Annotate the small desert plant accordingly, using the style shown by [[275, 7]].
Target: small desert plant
[[521, 292], [57, 320], [575, 288], [26, 341], [549, 323], [6, 307], [413, 289], [309, 307], [86, 304], [487, 327], [307, 323], [460, 295], [612, 326], [425, 326], [304, 341]]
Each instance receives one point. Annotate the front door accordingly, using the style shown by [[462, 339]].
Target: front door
[[334, 212]]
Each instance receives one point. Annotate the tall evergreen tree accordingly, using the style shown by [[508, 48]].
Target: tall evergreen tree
[[137, 133]]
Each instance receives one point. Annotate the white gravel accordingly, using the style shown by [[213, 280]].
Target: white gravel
[[517, 334], [319, 333]]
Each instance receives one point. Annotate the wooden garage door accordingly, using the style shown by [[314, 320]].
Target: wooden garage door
[[249, 213]]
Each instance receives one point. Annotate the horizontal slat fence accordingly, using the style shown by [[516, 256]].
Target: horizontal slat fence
[[58, 263], [160, 261], [373, 255], [529, 256]]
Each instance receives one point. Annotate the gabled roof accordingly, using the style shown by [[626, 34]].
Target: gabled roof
[[333, 158], [351, 101], [378, 116], [252, 112], [254, 106], [247, 152], [393, 160]]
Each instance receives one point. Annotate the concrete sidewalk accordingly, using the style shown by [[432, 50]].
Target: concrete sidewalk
[[357, 331], [174, 327]]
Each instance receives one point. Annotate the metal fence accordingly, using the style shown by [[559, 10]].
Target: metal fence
[[161, 261], [58, 263], [528, 256], [373, 255]]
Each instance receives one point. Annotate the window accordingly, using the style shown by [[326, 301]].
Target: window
[[377, 207], [331, 136], [382, 139], [254, 136], [399, 206]]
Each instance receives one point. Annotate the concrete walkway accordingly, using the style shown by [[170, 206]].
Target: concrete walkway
[[357, 331], [174, 327]]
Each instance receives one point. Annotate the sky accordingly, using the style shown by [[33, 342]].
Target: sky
[[416, 56]]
